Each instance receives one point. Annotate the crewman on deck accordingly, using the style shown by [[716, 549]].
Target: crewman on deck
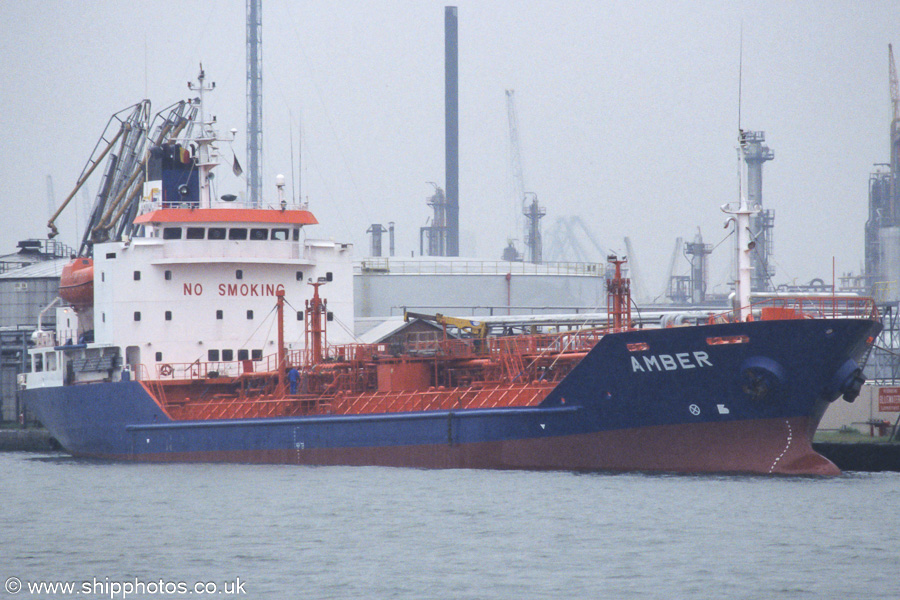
[[293, 379]]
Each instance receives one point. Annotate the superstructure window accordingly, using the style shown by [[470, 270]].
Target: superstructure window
[[168, 275], [243, 354], [159, 357], [171, 233], [168, 315], [280, 234], [250, 315], [299, 315], [256, 354], [216, 233], [296, 234], [137, 315], [212, 356], [237, 233], [329, 316], [259, 234], [299, 275], [329, 276], [137, 275], [195, 233], [227, 355], [219, 315], [110, 255], [239, 274], [38, 363]]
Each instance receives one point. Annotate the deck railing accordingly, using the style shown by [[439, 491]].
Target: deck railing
[[476, 267], [815, 307], [501, 348]]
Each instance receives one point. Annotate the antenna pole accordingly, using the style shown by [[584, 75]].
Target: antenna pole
[[293, 184], [740, 74]]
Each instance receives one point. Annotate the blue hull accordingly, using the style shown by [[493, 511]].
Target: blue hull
[[647, 400]]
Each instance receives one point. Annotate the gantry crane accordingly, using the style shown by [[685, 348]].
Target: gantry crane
[[530, 207]]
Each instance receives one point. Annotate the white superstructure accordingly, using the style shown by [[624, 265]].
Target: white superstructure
[[193, 287]]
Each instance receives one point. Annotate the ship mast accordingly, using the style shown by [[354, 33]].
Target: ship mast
[[744, 244], [205, 158]]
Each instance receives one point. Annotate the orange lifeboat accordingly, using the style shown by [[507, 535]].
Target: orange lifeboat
[[76, 284]]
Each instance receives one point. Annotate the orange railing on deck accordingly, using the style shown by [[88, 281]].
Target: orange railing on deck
[[815, 307], [507, 352]]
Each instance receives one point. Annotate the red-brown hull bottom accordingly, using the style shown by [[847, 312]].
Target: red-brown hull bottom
[[772, 446]]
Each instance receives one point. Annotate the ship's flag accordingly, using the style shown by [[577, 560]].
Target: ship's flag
[[236, 167]]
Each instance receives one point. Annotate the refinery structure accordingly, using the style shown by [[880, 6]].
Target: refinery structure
[[882, 244]]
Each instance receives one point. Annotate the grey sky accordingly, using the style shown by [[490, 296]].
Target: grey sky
[[627, 111]]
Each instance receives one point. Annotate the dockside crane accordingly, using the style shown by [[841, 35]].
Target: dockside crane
[[530, 206]]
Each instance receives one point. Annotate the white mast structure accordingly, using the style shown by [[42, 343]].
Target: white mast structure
[[207, 157], [744, 244]]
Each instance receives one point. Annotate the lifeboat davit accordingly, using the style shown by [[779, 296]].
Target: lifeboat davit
[[76, 284]]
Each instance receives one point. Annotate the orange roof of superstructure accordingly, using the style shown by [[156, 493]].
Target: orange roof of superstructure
[[228, 215]]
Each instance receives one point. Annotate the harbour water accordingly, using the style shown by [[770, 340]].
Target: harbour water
[[334, 532]]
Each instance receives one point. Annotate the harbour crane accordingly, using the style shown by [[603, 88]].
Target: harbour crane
[[530, 207]]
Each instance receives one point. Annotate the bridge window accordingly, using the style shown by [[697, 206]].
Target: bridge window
[[237, 233], [195, 233], [172, 233], [227, 355], [296, 234], [280, 235], [216, 233], [259, 234], [38, 363], [212, 356], [243, 354], [256, 354]]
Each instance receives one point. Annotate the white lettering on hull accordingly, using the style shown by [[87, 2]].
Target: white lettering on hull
[[667, 362]]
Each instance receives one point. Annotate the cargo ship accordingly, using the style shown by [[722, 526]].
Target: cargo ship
[[213, 330]]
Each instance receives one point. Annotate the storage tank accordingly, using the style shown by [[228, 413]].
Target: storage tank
[[887, 283]]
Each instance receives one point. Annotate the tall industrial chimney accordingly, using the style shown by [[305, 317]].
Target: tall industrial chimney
[[451, 131], [761, 224]]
